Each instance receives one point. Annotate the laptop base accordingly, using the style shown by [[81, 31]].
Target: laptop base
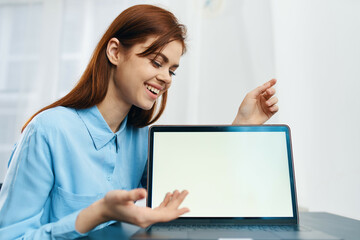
[[230, 234]]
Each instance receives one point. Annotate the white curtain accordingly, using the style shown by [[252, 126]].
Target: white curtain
[[46, 45], [233, 46]]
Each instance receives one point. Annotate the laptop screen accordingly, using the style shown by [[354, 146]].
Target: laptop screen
[[229, 171]]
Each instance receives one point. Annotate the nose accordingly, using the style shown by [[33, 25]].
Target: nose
[[164, 76]]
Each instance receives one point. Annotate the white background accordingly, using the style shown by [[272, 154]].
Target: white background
[[311, 47]]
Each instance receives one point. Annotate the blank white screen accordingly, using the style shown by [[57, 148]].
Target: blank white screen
[[227, 174]]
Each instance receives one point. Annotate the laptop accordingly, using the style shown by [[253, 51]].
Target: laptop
[[240, 180]]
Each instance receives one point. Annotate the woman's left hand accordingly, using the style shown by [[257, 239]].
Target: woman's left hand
[[258, 106]]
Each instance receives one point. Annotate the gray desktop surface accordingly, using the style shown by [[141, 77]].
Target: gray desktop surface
[[342, 227], [346, 228]]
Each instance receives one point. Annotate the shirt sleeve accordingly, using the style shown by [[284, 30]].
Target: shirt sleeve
[[25, 194]]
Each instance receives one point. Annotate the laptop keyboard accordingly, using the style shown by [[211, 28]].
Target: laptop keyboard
[[272, 228]]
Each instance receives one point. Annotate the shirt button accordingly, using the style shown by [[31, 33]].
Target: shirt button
[[108, 178]]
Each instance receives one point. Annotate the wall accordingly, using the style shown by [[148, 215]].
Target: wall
[[317, 56]]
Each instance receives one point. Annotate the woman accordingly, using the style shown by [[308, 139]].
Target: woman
[[74, 154]]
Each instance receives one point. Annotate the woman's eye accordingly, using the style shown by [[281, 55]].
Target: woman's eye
[[172, 73], [156, 64]]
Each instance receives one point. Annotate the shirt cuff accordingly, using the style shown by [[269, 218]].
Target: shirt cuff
[[65, 227]]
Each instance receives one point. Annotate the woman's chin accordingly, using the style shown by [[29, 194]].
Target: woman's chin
[[146, 106]]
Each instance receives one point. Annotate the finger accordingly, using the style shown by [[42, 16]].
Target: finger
[[170, 215], [261, 89], [178, 199], [166, 200], [175, 194], [177, 213], [133, 195], [272, 101], [268, 93], [182, 211], [171, 211], [274, 109]]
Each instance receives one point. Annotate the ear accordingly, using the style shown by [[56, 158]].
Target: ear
[[114, 50]]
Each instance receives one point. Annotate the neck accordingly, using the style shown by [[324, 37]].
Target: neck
[[113, 108]]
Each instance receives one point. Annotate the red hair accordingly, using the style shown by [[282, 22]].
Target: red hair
[[134, 25]]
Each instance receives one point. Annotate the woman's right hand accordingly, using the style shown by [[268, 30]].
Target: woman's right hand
[[119, 205]]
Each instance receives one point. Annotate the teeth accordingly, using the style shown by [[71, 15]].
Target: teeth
[[152, 89]]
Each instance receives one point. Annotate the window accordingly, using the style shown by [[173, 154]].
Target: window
[[44, 48]]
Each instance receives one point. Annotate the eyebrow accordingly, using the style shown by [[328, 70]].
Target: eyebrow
[[166, 59]]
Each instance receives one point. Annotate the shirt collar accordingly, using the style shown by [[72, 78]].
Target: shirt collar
[[97, 127]]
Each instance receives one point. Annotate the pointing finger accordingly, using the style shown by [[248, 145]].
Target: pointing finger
[[261, 89]]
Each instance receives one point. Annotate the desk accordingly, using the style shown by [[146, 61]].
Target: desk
[[346, 228]]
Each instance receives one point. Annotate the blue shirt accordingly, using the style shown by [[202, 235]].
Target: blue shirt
[[67, 159]]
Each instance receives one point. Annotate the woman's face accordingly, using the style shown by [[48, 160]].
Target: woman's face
[[140, 80]]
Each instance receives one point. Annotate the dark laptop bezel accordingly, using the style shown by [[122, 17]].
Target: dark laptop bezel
[[228, 128]]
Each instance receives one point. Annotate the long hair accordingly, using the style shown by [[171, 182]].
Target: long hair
[[134, 25]]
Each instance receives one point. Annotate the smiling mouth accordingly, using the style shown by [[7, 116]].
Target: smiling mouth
[[152, 89]]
